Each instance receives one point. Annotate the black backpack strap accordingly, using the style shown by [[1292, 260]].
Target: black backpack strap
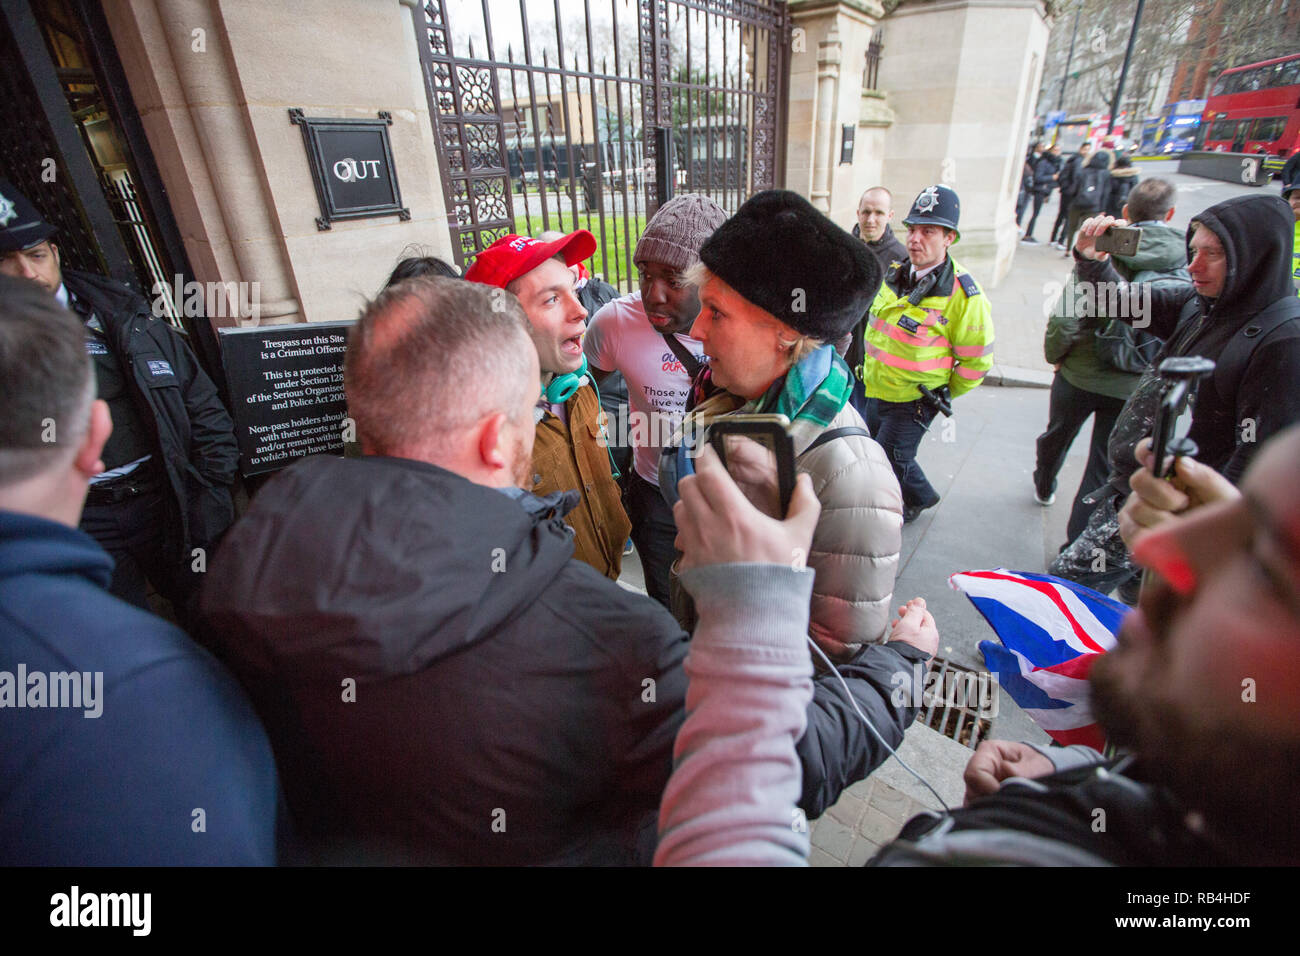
[[1237, 355], [833, 433], [689, 361]]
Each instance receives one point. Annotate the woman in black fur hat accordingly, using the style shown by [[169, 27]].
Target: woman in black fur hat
[[778, 283]]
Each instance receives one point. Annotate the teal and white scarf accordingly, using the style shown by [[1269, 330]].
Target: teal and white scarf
[[811, 394]]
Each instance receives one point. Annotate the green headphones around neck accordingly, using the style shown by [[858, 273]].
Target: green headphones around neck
[[561, 388]]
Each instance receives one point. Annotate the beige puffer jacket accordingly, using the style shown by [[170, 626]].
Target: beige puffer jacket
[[859, 535]]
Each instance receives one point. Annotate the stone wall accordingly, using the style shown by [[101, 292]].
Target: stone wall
[[214, 80], [962, 77]]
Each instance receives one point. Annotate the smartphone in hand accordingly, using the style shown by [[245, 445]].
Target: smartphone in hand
[[1120, 240], [771, 433]]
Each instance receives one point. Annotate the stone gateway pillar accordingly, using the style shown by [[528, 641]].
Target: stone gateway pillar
[[962, 77]]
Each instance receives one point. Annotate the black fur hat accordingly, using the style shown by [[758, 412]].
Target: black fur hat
[[788, 259]]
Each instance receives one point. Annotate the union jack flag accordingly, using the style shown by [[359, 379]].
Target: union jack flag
[[1052, 630]]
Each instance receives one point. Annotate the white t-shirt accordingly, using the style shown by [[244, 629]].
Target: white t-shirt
[[621, 338]]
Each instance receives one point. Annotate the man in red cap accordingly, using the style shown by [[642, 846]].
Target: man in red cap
[[570, 452]]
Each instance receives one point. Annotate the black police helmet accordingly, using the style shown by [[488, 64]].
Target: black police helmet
[[935, 206], [21, 226]]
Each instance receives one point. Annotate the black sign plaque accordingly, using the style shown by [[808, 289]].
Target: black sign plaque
[[352, 167], [286, 386]]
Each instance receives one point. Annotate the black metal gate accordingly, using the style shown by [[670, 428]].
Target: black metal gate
[[590, 117], [72, 142]]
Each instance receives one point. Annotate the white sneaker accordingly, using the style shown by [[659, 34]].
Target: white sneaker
[[1045, 502]]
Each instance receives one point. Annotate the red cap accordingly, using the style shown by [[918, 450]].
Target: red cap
[[512, 256]]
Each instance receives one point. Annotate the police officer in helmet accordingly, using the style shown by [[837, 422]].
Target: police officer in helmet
[[929, 338]]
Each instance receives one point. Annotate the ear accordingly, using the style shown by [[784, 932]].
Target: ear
[[88, 460], [1123, 213], [491, 448], [1170, 214]]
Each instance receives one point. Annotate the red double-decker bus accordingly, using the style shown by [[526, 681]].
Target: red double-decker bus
[[1256, 109]]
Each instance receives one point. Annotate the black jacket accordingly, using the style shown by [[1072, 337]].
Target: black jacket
[[1046, 169], [1228, 424], [192, 431], [887, 249], [1051, 821], [512, 706], [1092, 184], [492, 673], [1069, 176]]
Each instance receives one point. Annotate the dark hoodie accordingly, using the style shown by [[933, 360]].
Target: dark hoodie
[[508, 705], [440, 682], [1257, 233]]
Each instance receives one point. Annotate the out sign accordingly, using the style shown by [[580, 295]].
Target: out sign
[[352, 170]]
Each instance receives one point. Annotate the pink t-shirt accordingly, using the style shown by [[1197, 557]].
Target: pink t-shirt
[[621, 338]]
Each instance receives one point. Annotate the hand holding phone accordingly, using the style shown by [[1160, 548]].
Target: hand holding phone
[[1119, 240], [757, 452], [717, 525]]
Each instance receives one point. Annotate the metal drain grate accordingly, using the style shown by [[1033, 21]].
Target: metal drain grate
[[958, 702]]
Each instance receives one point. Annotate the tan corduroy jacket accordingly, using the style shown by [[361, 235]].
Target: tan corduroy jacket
[[571, 456]]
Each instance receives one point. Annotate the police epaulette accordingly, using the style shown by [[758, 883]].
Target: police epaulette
[[968, 285]]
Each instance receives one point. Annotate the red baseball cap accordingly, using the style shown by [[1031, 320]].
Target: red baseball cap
[[513, 256]]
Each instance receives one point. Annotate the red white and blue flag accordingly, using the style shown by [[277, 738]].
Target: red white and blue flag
[[1051, 632]]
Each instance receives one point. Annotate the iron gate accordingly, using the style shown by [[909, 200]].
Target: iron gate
[[590, 117]]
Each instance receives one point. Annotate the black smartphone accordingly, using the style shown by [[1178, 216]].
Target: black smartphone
[[1120, 240], [771, 432]]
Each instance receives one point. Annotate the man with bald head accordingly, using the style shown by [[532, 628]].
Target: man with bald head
[[441, 681], [875, 213]]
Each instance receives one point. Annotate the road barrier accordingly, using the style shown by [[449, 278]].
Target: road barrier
[[1230, 167]]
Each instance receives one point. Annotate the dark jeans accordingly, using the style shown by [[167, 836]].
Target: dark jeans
[[1021, 202], [1068, 410], [1062, 218], [858, 398], [898, 427], [653, 533], [132, 531], [1039, 199]]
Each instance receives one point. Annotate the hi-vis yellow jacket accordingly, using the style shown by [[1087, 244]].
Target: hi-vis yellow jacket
[[945, 339]]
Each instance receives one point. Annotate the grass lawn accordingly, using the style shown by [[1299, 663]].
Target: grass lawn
[[613, 259]]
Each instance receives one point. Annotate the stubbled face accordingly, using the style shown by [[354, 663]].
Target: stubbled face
[[1205, 682], [671, 305], [40, 263], [1294, 200], [556, 319], [927, 245], [741, 340], [1209, 265], [874, 214]]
